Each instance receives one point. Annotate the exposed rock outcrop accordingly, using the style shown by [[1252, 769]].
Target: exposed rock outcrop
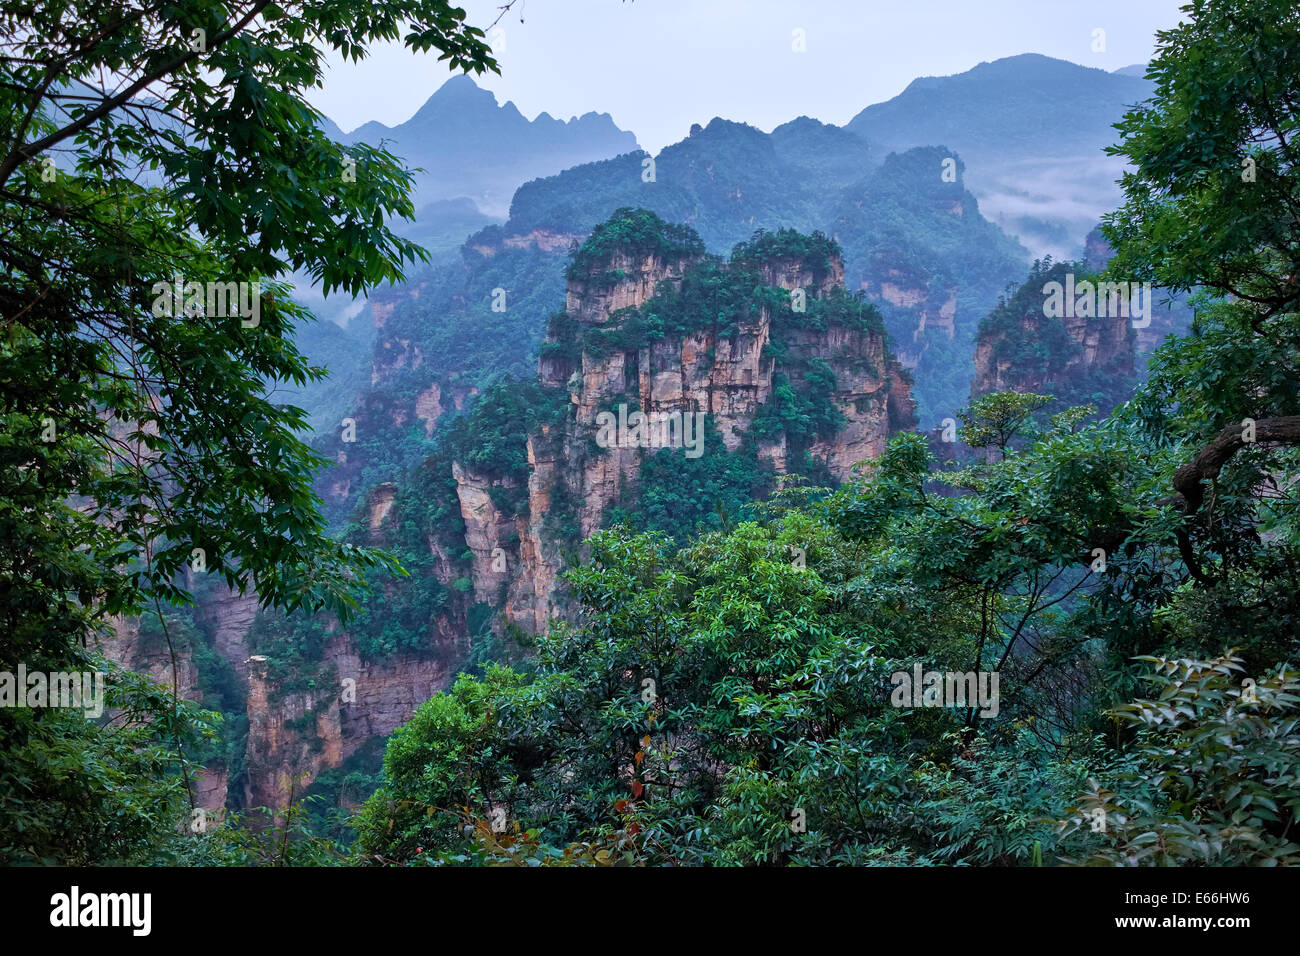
[[592, 299], [228, 617], [381, 502], [517, 531], [725, 372], [149, 654], [296, 733], [1166, 319], [1038, 341], [933, 303]]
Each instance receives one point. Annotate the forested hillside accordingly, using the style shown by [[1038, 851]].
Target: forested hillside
[[1031, 129], [913, 241], [760, 502]]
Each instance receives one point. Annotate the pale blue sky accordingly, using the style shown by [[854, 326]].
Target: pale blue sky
[[657, 66]]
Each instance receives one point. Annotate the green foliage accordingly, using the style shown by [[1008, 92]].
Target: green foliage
[[634, 233], [77, 791], [294, 646], [801, 416], [1214, 159], [682, 497], [1215, 779], [336, 794], [261, 837], [133, 434], [732, 699], [816, 250], [1050, 348], [994, 420], [450, 756], [489, 442]]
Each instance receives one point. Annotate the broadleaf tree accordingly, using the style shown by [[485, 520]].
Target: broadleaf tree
[[161, 174]]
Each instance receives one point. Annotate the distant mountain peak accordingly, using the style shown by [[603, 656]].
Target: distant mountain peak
[[458, 93], [1022, 67], [462, 84], [725, 127], [1032, 130], [803, 122], [1044, 91]]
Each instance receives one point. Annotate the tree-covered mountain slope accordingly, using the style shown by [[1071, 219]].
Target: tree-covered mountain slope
[[912, 236], [1032, 130]]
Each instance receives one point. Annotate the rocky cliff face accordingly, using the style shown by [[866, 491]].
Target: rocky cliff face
[[1026, 345], [293, 736], [727, 373], [1102, 344], [934, 305], [150, 655], [599, 356], [1172, 318], [664, 330], [294, 732], [589, 300], [228, 617]]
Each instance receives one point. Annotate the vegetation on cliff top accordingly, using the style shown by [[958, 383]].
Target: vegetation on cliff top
[[1040, 353], [815, 251], [733, 701], [636, 233], [730, 699]]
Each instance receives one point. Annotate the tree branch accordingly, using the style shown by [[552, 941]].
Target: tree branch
[[1189, 493]]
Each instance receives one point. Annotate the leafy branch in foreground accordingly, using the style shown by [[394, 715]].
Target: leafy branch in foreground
[[146, 148], [1217, 777]]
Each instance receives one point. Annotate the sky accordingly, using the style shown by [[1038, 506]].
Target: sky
[[657, 66]]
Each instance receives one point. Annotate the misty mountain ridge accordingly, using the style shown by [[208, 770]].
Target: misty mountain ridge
[[1027, 130], [1032, 130], [469, 145]]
